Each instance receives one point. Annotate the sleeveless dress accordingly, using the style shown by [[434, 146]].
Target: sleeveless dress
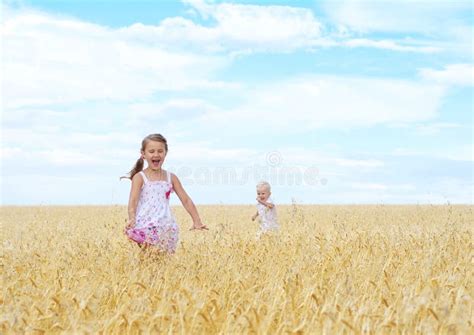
[[154, 222]]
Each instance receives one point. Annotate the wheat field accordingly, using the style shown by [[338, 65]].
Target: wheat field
[[331, 270]]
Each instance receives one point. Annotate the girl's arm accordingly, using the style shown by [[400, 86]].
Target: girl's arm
[[254, 216], [188, 204], [137, 183]]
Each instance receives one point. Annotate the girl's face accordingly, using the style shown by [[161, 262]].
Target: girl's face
[[263, 193], [154, 154]]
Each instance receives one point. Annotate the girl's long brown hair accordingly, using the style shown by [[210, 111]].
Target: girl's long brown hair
[[139, 164]]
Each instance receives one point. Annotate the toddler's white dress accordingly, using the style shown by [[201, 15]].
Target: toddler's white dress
[[268, 218]]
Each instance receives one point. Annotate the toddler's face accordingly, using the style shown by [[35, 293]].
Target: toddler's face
[[263, 193]]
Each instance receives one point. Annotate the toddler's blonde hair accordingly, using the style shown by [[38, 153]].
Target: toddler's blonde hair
[[264, 184]]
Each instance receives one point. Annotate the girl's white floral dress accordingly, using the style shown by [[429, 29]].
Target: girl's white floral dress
[[154, 223]]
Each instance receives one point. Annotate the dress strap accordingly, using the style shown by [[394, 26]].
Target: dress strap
[[145, 179], [168, 176]]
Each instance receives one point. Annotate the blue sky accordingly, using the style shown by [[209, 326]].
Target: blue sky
[[331, 101]]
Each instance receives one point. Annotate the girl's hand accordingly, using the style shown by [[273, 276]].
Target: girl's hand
[[199, 226], [130, 224]]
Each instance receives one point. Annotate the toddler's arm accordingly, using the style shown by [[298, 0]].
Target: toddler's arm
[[266, 204], [254, 216]]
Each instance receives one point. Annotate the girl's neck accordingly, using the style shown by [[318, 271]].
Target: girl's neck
[[154, 174]]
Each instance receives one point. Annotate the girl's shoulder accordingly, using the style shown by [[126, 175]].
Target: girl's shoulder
[[138, 177], [171, 177], [171, 174]]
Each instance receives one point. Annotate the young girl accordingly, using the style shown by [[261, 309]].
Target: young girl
[[265, 209], [150, 221]]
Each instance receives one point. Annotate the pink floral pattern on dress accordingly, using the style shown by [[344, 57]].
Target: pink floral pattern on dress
[[137, 235], [155, 224]]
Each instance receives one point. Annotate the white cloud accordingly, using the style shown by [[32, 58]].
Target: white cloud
[[362, 163], [173, 109], [47, 120], [435, 128], [368, 186], [451, 75], [235, 29], [47, 149], [402, 16], [65, 157], [455, 189], [49, 59], [244, 29], [390, 45], [430, 128], [258, 27], [307, 156], [343, 172], [459, 153], [203, 153], [76, 61], [53, 189], [162, 78], [10, 152], [54, 157], [427, 26], [382, 187], [309, 103]]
